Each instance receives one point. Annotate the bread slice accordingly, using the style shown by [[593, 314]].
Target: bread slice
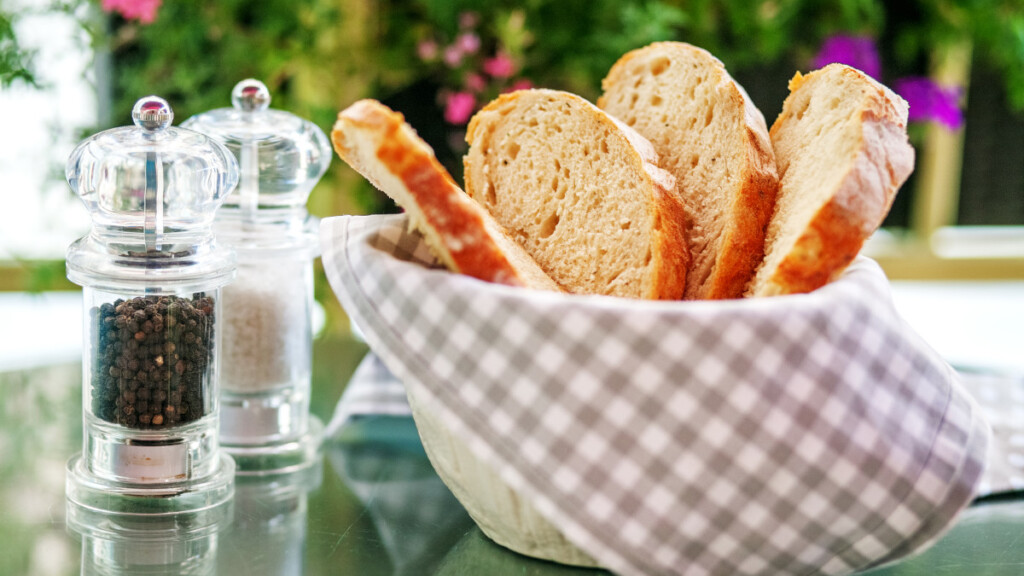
[[842, 150], [713, 139], [378, 143], [581, 192]]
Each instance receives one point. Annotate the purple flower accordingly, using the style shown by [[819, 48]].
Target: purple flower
[[929, 101], [856, 51], [458, 107]]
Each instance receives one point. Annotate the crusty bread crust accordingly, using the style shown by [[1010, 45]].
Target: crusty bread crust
[[874, 165], [652, 89], [664, 276], [380, 145]]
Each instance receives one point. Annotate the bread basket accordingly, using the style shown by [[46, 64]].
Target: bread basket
[[813, 433]]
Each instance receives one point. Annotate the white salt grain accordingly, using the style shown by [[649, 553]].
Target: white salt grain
[[266, 327]]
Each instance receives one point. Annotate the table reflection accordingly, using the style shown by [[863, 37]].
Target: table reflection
[[155, 545], [268, 534], [373, 506], [381, 460]]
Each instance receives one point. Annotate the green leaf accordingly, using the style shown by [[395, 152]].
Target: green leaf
[[15, 62]]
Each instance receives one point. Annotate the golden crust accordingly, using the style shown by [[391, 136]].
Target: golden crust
[[399, 163], [669, 280], [751, 202], [837, 232]]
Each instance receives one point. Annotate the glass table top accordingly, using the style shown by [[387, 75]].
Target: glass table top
[[371, 506]]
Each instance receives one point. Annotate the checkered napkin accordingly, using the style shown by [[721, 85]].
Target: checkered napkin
[[1001, 397], [801, 434], [371, 390]]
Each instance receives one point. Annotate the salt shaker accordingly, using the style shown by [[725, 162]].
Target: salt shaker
[[152, 274], [268, 336]]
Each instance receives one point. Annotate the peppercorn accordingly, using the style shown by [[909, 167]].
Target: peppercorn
[[149, 350]]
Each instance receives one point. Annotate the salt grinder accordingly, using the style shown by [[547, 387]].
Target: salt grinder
[[267, 317], [152, 276]]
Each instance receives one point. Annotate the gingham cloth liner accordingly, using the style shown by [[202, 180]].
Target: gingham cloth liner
[[1001, 397], [812, 434], [411, 510], [373, 389]]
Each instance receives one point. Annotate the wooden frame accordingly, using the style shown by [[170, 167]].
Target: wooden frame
[[934, 248]]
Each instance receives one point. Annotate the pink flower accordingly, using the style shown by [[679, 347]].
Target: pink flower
[[475, 82], [427, 50], [468, 42], [459, 107], [453, 56], [856, 51], [501, 66], [142, 10], [468, 20], [930, 101], [521, 84]]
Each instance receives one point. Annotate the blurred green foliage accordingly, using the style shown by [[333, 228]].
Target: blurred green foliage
[[317, 56], [571, 44], [195, 52], [15, 62]]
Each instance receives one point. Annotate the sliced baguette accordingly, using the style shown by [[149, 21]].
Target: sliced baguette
[[378, 143], [581, 192], [842, 150], [712, 138]]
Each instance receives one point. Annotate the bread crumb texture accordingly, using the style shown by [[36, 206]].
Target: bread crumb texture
[[842, 150], [710, 136], [378, 143], [579, 192]]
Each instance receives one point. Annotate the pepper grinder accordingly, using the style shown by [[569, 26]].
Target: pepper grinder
[[268, 336], [152, 275]]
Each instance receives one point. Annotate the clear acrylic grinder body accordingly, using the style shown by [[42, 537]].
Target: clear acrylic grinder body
[[152, 277], [268, 335]]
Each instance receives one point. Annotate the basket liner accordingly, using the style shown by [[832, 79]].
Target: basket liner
[[812, 433]]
